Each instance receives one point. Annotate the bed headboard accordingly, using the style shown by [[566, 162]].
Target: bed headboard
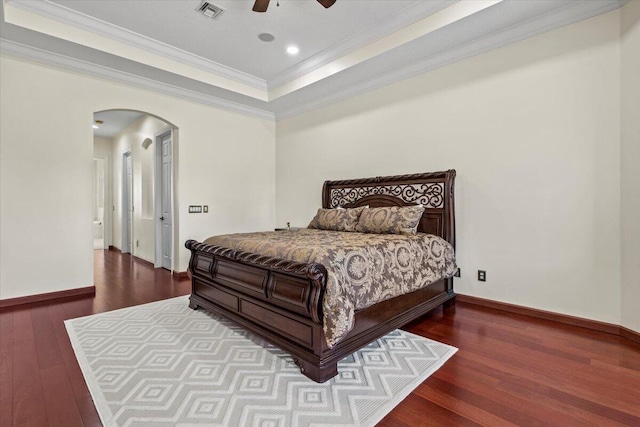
[[433, 190]]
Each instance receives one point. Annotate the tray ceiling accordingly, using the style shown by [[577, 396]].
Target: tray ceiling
[[232, 39], [355, 46]]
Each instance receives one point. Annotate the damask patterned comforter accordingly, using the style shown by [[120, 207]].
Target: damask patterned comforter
[[363, 269]]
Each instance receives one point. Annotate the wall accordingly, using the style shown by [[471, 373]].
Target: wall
[[630, 165], [130, 139], [102, 149], [533, 132], [223, 159], [532, 128]]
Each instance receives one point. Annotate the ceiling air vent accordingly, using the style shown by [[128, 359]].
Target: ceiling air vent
[[210, 10]]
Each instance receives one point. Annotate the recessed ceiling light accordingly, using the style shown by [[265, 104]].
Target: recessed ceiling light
[[292, 50], [97, 123], [266, 37]]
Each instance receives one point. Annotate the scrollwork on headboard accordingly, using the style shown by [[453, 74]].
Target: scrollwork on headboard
[[433, 190], [429, 195]]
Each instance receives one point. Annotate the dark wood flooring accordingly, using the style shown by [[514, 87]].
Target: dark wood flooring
[[510, 369]]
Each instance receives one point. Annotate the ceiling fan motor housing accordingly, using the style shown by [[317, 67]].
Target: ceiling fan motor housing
[[262, 5]]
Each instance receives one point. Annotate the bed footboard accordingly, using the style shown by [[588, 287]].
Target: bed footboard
[[278, 299], [281, 301]]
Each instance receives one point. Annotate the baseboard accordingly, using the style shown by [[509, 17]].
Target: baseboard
[[555, 317], [143, 261], [10, 302], [180, 275], [542, 314], [137, 258], [177, 274]]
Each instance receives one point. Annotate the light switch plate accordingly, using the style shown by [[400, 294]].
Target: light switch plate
[[205, 208]]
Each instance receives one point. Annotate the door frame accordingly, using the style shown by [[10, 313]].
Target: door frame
[[127, 202], [108, 205], [157, 196]]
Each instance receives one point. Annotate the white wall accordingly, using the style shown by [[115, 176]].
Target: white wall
[[45, 187], [544, 135], [630, 165], [225, 160], [102, 148], [533, 131], [130, 139]]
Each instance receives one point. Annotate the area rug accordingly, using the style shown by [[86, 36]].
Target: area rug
[[163, 364]]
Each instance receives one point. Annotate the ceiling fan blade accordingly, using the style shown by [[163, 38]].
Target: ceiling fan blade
[[261, 5], [327, 3]]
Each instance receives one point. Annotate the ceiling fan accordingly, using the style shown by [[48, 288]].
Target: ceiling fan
[[261, 5]]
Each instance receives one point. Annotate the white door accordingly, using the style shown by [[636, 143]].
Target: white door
[[165, 204], [127, 204], [99, 198]]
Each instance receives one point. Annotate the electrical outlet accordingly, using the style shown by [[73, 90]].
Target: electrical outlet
[[482, 276], [205, 209], [457, 273]]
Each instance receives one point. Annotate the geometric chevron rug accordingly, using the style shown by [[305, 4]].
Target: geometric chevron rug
[[163, 364]]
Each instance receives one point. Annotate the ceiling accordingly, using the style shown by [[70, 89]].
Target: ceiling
[[114, 121], [232, 39], [353, 47]]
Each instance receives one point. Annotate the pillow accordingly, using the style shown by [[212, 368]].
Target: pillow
[[390, 220], [336, 219]]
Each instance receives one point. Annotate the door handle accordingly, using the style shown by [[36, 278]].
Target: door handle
[[161, 218]]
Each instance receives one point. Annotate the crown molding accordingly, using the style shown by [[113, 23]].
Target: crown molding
[[22, 51], [77, 19], [567, 14], [399, 20], [322, 94]]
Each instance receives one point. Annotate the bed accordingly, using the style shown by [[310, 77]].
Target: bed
[[281, 299]]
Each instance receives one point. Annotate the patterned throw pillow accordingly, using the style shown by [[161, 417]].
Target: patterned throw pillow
[[390, 220], [336, 219]]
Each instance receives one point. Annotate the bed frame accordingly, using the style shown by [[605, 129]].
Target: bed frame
[[281, 300]]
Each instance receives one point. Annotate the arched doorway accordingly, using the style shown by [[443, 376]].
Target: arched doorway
[[137, 215]]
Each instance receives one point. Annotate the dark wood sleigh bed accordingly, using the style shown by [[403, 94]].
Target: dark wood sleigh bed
[[281, 300]]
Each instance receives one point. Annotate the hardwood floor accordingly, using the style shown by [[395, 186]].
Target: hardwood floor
[[510, 369]]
